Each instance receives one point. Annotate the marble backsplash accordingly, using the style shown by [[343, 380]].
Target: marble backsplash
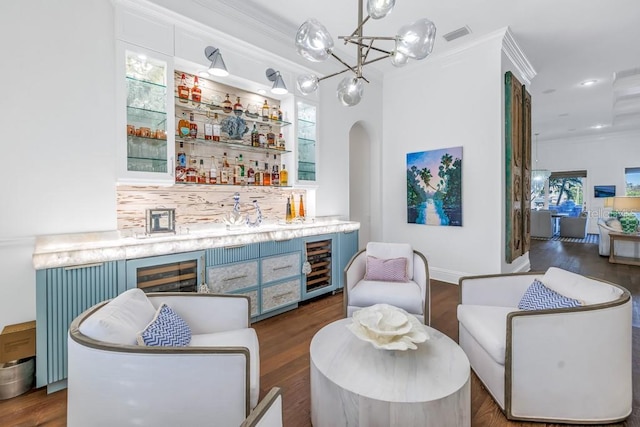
[[201, 204]]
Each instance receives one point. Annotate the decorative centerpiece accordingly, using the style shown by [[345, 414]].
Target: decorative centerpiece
[[387, 327], [235, 127], [234, 218]]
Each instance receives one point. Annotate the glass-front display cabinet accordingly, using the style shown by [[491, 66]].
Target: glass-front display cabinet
[[150, 149], [306, 118]]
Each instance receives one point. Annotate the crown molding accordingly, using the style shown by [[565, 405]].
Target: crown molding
[[593, 135], [517, 57]]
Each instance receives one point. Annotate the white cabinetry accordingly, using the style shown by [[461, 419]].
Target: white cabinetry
[[145, 119], [306, 138]]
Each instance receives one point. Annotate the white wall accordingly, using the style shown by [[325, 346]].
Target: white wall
[[57, 116], [448, 102], [335, 124], [603, 156]]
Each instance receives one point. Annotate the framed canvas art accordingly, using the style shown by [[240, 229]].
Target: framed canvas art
[[434, 187]]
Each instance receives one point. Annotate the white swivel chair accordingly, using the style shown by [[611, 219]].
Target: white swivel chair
[[411, 295], [559, 365], [572, 226], [113, 381]]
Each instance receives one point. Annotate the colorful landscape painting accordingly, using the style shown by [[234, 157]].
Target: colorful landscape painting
[[434, 187]]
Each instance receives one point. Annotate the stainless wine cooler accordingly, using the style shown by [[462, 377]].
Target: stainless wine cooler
[[168, 273]]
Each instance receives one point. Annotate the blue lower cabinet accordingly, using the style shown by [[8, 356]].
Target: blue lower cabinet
[[61, 295], [281, 295], [347, 248], [253, 295]]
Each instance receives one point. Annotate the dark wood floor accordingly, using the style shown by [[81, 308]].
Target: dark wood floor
[[285, 339]]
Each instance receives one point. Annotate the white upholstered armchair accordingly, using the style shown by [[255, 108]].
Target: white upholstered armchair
[[411, 294], [568, 365], [114, 381]]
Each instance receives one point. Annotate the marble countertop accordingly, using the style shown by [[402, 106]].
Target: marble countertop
[[66, 250]]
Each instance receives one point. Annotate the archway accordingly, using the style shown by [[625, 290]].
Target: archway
[[364, 183]]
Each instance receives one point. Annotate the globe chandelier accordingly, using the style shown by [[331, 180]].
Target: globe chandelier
[[314, 43]]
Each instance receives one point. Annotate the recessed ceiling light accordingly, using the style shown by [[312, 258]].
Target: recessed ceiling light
[[548, 91], [588, 82], [598, 126], [262, 91]]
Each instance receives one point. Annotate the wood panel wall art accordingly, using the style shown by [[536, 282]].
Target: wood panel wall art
[[518, 167]]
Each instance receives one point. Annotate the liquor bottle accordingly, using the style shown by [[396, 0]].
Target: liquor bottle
[[255, 137], [196, 92], [240, 170], [192, 171], [181, 164], [271, 138], [217, 128], [183, 89], [224, 170], [238, 109], [213, 171], [193, 126], [208, 129], [227, 107], [282, 145], [262, 138], [234, 176], [184, 126], [265, 111], [274, 113], [182, 156], [279, 113], [266, 177], [275, 176], [301, 212], [288, 212], [293, 206], [259, 175], [251, 175], [284, 177], [202, 174]]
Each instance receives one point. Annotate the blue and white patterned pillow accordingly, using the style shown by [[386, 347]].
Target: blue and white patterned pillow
[[167, 329], [539, 297]]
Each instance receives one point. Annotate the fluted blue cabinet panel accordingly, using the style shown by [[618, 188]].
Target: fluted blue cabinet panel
[[280, 247], [347, 248], [226, 255], [61, 295]]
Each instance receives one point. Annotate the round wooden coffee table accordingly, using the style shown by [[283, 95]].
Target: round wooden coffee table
[[353, 383]]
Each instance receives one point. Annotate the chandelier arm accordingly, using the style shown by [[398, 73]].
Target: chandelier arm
[[372, 47], [374, 60], [338, 73], [349, 38], [354, 69], [366, 54], [356, 30]]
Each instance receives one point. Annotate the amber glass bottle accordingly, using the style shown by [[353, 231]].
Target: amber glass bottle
[[183, 89], [301, 208], [184, 127], [196, 92], [227, 107]]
